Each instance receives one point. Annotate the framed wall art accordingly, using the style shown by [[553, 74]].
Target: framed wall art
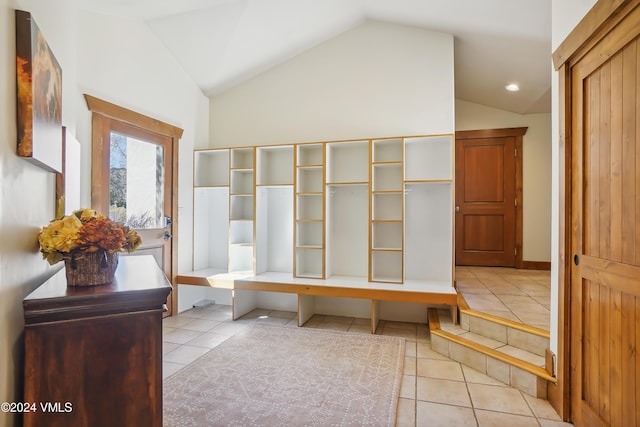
[[68, 179], [39, 92]]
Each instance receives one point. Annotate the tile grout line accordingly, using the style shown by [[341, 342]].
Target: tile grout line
[[473, 408]]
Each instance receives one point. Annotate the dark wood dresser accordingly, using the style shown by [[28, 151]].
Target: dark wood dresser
[[93, 355]]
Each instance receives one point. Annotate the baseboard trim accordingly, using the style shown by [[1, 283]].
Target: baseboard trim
[[536, 265]]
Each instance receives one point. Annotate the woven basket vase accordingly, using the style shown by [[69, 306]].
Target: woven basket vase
[[91, 268]]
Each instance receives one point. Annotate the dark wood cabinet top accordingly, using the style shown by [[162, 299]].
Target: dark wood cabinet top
[[139, 285]]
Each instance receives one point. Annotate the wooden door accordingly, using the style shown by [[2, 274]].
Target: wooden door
[[605, 237], [486, 197], [133, 179]]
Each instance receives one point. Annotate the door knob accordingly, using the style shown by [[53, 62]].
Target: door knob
[[576, 259], [457, 208], [166, 235]]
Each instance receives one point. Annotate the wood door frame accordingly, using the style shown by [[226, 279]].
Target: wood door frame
[[100, 109], [592, 29], [517, 134]]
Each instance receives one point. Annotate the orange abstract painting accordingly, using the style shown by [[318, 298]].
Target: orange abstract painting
[[39, 91]]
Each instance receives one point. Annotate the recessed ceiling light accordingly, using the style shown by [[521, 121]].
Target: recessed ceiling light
[[512, 87]]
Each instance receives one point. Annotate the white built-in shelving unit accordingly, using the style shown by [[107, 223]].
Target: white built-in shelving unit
[[386, 212], [309, 229], [369, 218], [242, 210]]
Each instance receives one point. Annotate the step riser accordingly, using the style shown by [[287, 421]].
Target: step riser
[[501, 371], [508, 335]]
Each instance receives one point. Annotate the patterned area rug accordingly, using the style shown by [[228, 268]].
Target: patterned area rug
[[288, 376]]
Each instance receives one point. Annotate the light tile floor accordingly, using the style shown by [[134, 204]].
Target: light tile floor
[[519, 295], [435, 390]]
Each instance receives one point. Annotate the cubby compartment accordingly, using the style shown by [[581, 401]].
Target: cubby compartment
[[429, 219], [241, 207], [241, 259], [241, 181], [309, 263], [387, 177], [387, 206], [309, 234], [348, 162], [386, 266], [387, 150], [242, 158], [274, 229], [309, 207], [429, 158], [241, 233], [211, 220], [310, 179], [387, 235], [211, 168], [274, 165], [347, 230], [310, 154]]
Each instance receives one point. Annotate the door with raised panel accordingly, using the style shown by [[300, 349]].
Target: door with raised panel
[[486, 198]]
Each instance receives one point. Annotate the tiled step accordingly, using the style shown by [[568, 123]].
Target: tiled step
[[490, 353], [525, 337]]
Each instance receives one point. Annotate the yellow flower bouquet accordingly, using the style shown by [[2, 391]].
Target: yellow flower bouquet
[[86, 235]]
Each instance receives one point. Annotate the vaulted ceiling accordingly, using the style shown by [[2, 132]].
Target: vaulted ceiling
[[222, 43]]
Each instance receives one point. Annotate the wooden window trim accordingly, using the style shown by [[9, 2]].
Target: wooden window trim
[[122, 114]]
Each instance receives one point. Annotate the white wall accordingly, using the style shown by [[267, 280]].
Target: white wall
[[536, 169], [119, 61], [375, 80], [27, 198], [565, 15]]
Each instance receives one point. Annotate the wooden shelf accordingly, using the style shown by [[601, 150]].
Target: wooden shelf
[[211, 186], [393, 163], [337, 184]]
